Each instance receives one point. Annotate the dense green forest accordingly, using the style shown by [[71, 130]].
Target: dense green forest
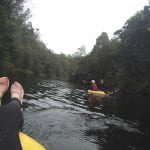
[[22, 52], [123, 61]]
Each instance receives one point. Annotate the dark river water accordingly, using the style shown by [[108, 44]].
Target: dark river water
[[63, 117]]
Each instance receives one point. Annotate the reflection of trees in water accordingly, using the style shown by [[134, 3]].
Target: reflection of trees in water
[[113, 138]]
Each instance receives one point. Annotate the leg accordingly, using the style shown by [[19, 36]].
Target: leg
[[4, 84], [11, 118]]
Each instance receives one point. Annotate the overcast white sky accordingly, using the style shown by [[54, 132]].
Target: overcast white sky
[[66, 25]]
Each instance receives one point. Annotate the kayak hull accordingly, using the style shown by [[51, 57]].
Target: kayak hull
[[29, 143], [97, 93]]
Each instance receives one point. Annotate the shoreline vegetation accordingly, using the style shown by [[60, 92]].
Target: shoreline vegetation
[[123, 61]]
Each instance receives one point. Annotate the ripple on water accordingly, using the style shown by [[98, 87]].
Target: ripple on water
[[57, 115]]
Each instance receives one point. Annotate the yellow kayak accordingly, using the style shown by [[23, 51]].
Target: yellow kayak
[[29, 143], [98, 93]]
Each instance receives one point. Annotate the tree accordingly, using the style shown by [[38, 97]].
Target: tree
[[134, 73], [81, 52]]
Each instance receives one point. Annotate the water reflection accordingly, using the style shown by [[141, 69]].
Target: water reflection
[[65, 118]]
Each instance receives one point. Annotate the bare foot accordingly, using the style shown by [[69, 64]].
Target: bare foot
[[17, 91], [4, 84]]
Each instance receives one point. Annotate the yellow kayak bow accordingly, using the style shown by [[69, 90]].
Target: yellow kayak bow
[[29, 143]]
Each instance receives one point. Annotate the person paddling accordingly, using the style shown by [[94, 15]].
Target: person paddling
[[93, 86]]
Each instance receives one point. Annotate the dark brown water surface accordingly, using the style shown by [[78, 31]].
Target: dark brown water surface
[[61, 117]]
